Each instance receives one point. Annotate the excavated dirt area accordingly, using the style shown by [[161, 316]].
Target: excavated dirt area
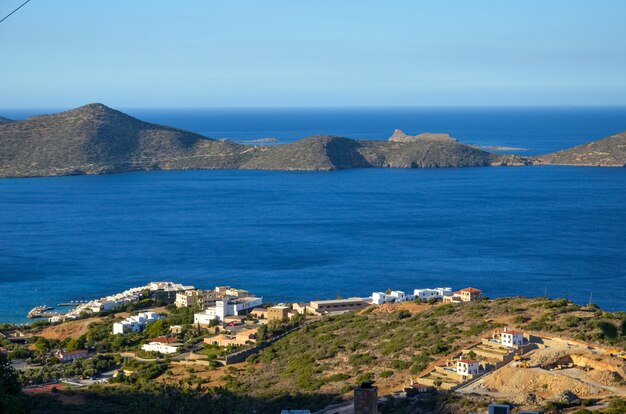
[[553, 373]]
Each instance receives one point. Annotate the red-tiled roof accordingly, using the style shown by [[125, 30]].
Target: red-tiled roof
[[513, 332], [416, 385], [165, 339], [468, 361], [471, 289]]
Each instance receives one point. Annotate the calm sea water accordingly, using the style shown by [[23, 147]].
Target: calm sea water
[[312, 235]]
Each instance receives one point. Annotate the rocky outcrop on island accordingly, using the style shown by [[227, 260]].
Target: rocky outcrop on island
[[607, 152], [400, 136], [4, 120], [95, 139]]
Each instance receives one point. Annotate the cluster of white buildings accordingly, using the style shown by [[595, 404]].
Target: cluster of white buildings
[[378, 298], [120, 299], [135, 323], [444, 294], [227, 307]]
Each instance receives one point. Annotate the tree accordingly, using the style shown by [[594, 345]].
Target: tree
[[608, 329], [72, 345], [10, 388], [156, 328], [623, 327], [41, 345]]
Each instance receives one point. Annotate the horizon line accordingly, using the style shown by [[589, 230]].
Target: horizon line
[[285, 107]]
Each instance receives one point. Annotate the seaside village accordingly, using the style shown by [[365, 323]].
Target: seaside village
[[234, 325]]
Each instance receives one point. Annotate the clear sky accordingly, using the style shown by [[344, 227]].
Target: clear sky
[[186, 53]]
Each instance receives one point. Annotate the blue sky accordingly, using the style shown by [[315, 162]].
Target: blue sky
[[185, 53]]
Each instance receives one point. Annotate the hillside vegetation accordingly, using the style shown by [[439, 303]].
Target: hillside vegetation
[[322, 362], [607, 152]]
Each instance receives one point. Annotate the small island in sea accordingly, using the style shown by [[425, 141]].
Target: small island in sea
[[95, 139]]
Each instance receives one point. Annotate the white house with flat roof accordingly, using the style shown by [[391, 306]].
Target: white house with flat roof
[[161, 348], [135, 323], [378, 298], [227, 307], [436, 293]]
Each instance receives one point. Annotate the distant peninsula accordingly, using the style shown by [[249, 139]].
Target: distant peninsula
[[95, 139]]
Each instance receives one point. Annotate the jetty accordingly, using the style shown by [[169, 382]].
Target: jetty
[[41, 312], [73, 303]]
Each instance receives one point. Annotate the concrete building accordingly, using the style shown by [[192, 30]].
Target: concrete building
[[187, 298], [244, 337], [512, 338], [208, 298], [135, 323], [499, 409], [366, 399], [464, 295], [278, 312], [466, 367], [205, 317], [65, 356], [227, 307], [302, 308], [259, 313], [321, 307], [227, 291]]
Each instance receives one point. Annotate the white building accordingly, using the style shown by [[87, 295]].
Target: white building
[[205, 317], [467, 367], [227, 307], [236, 306], [378, 298], [162, 348], [399, 296], [512, 338], [436, 293], [135, 323]]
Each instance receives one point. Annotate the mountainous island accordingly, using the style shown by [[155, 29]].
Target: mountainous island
[[95, 139]]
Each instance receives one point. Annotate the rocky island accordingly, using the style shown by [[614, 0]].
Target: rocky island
[[95, 139]]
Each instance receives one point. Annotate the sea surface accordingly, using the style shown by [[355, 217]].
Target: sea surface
[[533, 231]]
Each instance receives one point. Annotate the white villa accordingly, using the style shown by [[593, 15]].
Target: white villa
[[227, 307], [135, 323], [378, 298], [512, 338], [163, 345], [436, 293], [467, 367]]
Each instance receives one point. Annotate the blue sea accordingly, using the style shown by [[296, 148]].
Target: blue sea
[[289, 236]]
